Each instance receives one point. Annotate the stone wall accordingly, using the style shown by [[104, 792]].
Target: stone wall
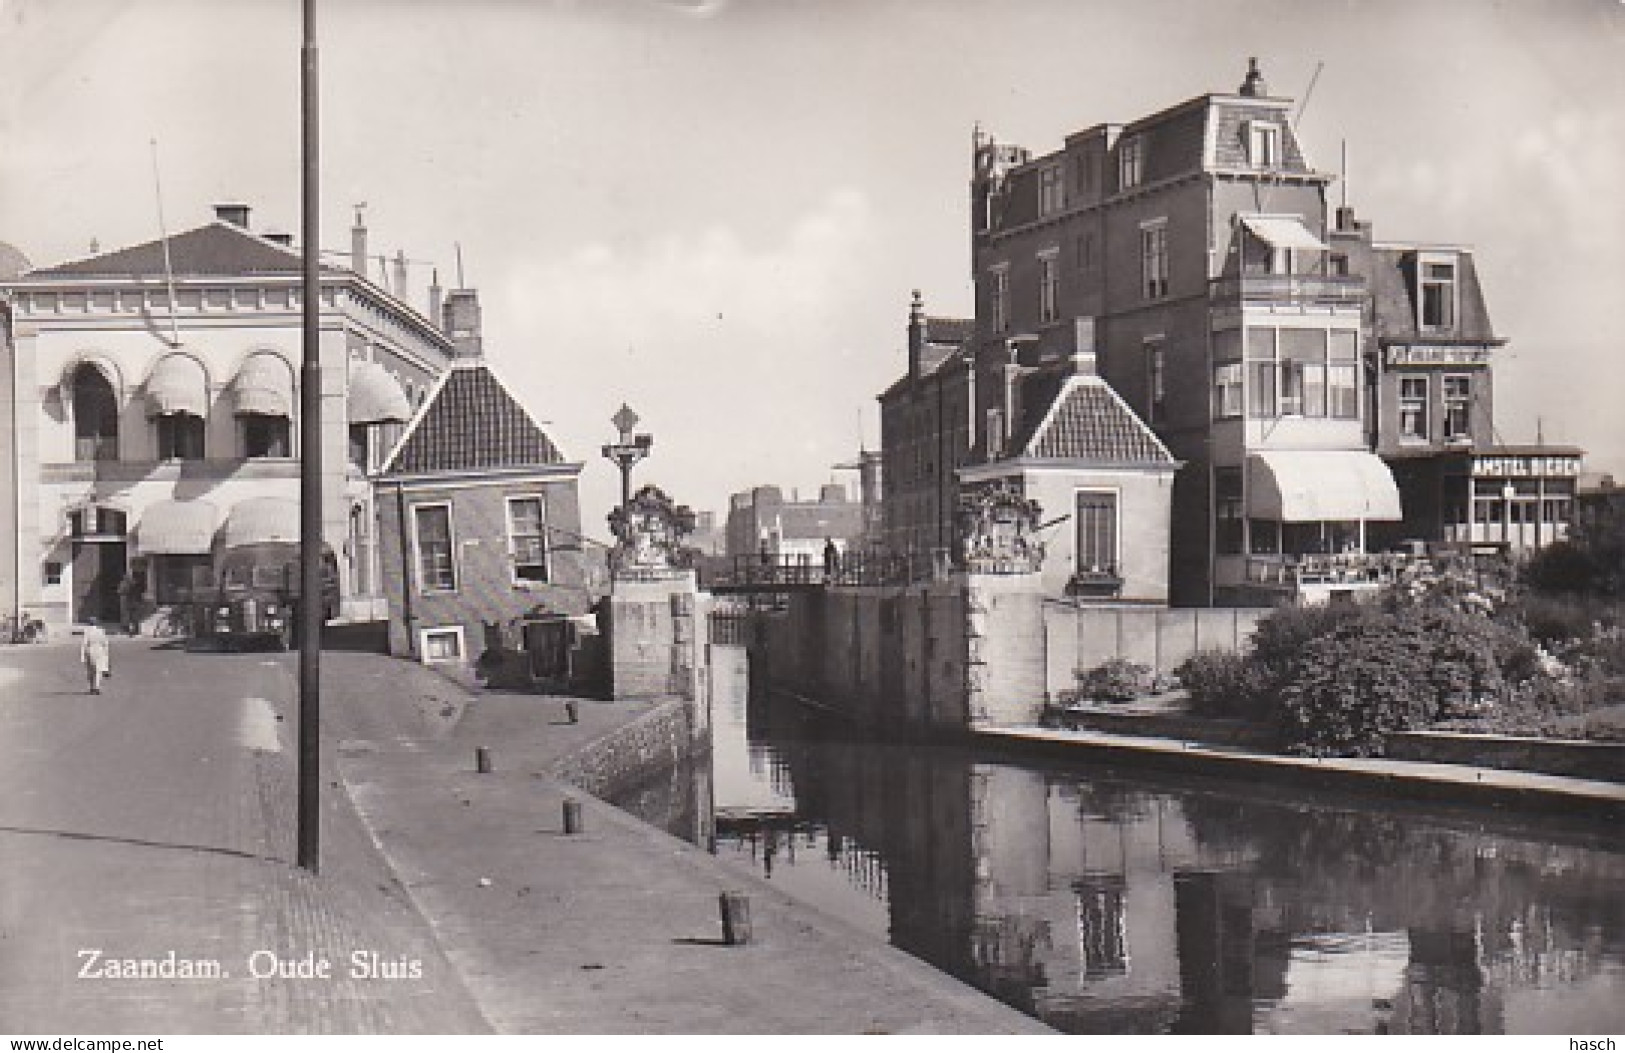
[[1080, 638], [658, 632], [654, 744]]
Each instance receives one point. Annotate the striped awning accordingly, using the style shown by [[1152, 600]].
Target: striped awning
[[1284, 232], [261, 519], [375, 397], [177, 385], [1320, 486], [264, 385], [176, 528]]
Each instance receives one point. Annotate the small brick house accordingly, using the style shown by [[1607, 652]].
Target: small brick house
[[479, 522]]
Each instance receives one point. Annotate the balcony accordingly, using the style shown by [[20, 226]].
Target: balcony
[[1288, 289], [1348, 569]]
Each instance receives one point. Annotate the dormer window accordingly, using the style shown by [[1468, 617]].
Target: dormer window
[[1263, 144], [1436, 292], [1130, 161], [1051, 190]]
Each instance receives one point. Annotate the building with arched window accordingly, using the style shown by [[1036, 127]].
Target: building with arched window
[[151, 402]]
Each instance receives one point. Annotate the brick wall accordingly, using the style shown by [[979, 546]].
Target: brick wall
[[486, 591]]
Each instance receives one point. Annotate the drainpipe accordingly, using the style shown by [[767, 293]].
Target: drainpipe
[[406, 568]]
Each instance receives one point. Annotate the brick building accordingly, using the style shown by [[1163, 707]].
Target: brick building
[[761, 520], [1276, 359], [479, 517]]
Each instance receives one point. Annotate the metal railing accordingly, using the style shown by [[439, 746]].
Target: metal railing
[[798, 571], [1351, 568], [1289, 288]]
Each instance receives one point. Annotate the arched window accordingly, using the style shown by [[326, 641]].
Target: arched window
[[95, 416]]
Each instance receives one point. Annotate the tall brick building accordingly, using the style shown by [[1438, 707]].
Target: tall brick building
[[1276, 355]]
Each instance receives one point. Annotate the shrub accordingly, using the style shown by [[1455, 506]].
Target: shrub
[[1223, 684], [1117, 680], [1280, 637], [1349, 690]]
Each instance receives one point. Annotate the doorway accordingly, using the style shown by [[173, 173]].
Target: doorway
[[98, 571]]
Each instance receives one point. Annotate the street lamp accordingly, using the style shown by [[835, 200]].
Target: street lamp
[[1508, 492], [629, 450]]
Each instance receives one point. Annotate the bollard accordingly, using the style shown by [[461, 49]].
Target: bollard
[[570, 713], [735, 918], [572, 816], [482, 760]]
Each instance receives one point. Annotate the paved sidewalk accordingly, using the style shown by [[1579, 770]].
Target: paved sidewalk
[[614, 930], [156, 822]]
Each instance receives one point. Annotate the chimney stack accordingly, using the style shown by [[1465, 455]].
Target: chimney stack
[[400, 274], [235, 214], [916, 334], [435, 295], [1254, 87], [461, 322], [358, 243]]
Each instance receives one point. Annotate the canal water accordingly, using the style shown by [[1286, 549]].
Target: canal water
[[1126, 901]]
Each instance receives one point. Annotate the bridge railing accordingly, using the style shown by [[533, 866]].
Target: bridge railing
[[764, 573]]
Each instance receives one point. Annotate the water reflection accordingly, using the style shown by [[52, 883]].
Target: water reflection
[[1107, 902]]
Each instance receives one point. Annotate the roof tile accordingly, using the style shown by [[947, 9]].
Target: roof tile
[[1090, 423], [472, 423]]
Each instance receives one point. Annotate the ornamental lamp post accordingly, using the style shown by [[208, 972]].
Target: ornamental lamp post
[[629, 450]]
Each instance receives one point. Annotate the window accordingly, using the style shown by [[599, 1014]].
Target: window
[[1413, 408], [1343, 374], [527, 538], [265, 436], [1097, 531], [1337, 264], [360, 445], [1303, 372], [442, 645], [52, 574], [180, 437], [1261, 373], [1049, 285], [1155, 382], [1051, 191], [1154, 258], [1263, 144], [1000, 277], [1227, 390], [437, 570], [1227, 510], [1130, 155], [1084, 248], [182, 579], [1458, 400], [95, 416], [1437, 293]]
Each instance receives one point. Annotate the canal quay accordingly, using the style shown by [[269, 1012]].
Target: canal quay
[[1105, 896]]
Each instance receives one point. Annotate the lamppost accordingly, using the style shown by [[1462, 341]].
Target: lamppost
[[629, 450], [1508, 492]]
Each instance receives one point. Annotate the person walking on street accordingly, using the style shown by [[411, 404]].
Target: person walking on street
[[94, 653]]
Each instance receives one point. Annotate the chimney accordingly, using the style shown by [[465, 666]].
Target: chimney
[[400, 274], [461, 321], [916, 334], [1254, 87], [1345, 219], [358, 243], [235, 214], [435, 294]]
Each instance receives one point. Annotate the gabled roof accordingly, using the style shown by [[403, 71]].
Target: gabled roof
[[940, 330], [1080, 418], [471, 423], [216, 250]]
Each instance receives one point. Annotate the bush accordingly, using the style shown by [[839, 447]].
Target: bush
[[1117, 680], [1280, 638], [1223, 684]]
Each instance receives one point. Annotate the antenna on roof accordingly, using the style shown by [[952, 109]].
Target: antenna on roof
[[163, 237], [460, 283], [1303, 103]]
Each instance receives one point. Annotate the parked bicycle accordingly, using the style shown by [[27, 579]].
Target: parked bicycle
[[24, 628]]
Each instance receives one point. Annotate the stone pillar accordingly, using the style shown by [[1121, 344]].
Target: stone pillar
[[656, 636], [1004, 649]]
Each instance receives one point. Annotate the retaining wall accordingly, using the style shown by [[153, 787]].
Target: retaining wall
[[1582, 760], [1077, 639]]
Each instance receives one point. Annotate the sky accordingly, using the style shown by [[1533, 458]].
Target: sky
[[715, 210]]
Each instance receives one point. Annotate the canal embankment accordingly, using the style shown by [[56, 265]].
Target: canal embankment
[[1418, 780], [615, 928]]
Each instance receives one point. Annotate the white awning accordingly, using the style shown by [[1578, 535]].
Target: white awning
[[264, 385], [375, 396], [178, 385], [1314, 486], [261, 519], [1283, 232], [176, 528]]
